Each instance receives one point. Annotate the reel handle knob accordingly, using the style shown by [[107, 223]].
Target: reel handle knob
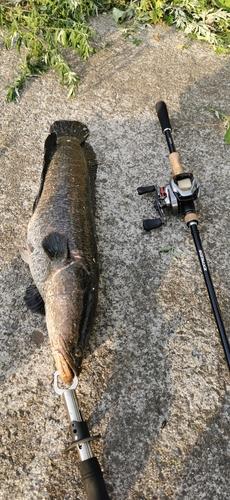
[[163, 116], [146, 189], [149, 224]]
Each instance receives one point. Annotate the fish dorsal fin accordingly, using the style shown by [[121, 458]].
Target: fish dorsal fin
[[55, 246], [50, 148], [91, 160]]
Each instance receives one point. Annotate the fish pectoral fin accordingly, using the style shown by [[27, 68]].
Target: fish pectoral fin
[[56, 246], [34, 300]]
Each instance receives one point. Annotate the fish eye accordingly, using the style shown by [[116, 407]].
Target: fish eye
[[78, 352]]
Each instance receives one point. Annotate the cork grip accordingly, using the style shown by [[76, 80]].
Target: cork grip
[[190, 218], [175, 162]]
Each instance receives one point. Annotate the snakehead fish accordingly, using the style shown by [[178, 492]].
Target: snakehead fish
[[61, 245]]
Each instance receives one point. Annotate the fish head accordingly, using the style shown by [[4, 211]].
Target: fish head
[[65, 290]]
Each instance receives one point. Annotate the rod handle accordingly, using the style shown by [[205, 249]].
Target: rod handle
[[93, 480], [175, 162], [174, 157], [163, 116]]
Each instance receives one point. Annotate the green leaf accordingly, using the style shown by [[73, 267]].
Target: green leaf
[[223, 4], [137, 41], [170, 248], [119, 15], [227, 136]]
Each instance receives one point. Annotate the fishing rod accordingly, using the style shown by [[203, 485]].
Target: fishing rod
[[179, 196], [89, 467]]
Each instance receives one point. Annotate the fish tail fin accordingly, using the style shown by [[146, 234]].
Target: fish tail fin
[[70, 127], [66, 128], [81, 132]]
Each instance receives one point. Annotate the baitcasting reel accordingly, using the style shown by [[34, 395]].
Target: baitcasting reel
[[178, 197]]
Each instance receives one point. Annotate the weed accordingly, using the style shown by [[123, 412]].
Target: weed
[[225, 119], [44, 29], [174, 251]]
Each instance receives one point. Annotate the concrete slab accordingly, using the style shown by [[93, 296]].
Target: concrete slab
[[155, 382]]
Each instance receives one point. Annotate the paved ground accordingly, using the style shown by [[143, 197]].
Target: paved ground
[[155, 382]]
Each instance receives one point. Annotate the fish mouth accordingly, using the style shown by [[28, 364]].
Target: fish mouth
[[67, 366]]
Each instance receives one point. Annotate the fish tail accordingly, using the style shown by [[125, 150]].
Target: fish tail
[[70, 127], [67, 128]]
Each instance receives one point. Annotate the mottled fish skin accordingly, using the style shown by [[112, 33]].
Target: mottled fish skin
[[62, 244]]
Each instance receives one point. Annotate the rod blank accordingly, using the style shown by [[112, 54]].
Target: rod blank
[[211, 291]]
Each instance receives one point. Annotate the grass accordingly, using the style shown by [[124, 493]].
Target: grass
[[42, 30], [224, 118]]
